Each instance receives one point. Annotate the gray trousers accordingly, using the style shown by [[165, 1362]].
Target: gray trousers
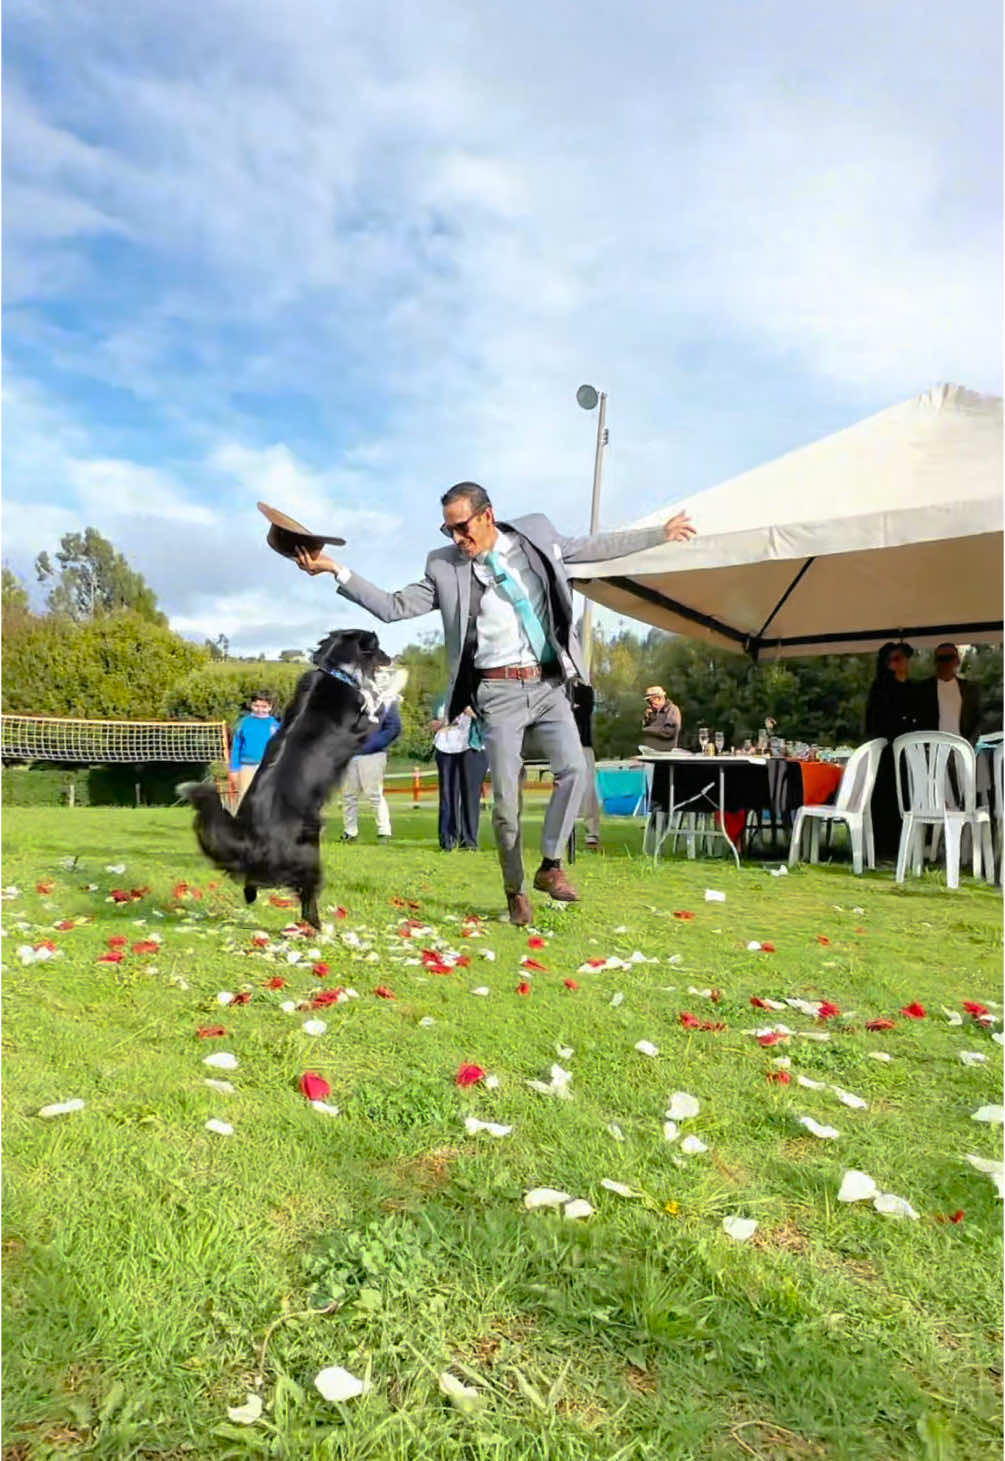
[[507, 709], [589, 808]]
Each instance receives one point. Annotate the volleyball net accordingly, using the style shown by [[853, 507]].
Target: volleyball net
[[102, 742]]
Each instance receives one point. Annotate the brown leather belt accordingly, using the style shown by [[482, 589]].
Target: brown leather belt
[[512, 672]]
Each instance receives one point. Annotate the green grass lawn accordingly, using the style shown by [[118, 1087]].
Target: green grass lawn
[[157, 1272]]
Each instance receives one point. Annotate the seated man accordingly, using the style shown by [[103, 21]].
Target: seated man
[[661, 724]]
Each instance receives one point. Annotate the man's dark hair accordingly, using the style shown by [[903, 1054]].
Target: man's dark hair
[[946, 644], [262, 695], [475, 495]]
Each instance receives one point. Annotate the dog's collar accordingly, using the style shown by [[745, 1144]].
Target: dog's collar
[[348, 677]]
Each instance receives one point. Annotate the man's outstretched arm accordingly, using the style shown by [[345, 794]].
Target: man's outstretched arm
[[603, 547], [406, 603]]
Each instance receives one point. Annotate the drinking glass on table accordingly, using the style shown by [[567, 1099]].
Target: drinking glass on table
[[720, 741], [762, 740], [703, 737], [748, 746]]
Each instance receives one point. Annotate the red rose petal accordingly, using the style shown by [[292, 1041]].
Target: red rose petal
[[243, 998], [880, 1024], [469, 1075], [683, 913], [772, 1038], [767, 948], [973, 1008], [596, 963], [260, 940], [914, 1011], [277, 901], [45, 887], [382, 992], [146, 946], [690, 1022], [464, 962], [341, 912], [47, 943], [180, 890], [328, 996], [957, 1216], [533, 964], [117, 941], [823, 939], [274, 983], [781, 1077], [115, 958], [119, 895], [210, 1032], [523, 988], [570, 983], [537, 942], [314, 1086], [321, 970], [195, 893], [827, 1011], [135, 894], [716, 996], [66, 925]]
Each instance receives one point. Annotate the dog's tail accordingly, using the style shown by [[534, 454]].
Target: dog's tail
[[220, 836]]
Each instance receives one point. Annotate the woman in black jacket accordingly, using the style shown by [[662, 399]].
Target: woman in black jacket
[[893, 708]]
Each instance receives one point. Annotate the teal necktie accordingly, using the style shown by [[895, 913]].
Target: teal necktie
[[535, 630]]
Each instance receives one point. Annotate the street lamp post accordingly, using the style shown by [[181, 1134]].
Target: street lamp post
[[589, 398]]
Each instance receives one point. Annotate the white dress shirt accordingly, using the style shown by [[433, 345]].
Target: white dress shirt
[[502, 639], [950, 703]]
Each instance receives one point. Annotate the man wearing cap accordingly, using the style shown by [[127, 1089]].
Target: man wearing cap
[[662, 721], [505, 594]]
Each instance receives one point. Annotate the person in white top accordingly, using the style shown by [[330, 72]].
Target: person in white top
[[951, 704]]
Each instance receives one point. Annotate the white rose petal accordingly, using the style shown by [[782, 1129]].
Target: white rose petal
[[738, 1228], [692, 1146], [222, 1128], [856, 1187], [646, 1047], [891, 1206], [326, 1108], [701, 993], [288, 1006], [472, 1126], [564, 1052], [620, 1188], [847, 1098], [314, 1027], [545, 1197], [465, 1398], [616, 1000], [115, 867], [426, 1021], [682, 1106], [482, 990], [991, 1168], [61, 1109], [778, 872], [993, 1115], [972, 1057], [578, 1208], [998, 1036], [615, 1131], [953, 1016], [248, 1413], [811, 1085], [225, 997], [711, 896], [491, 1082], [753, 947], [222, 1060], [878, 1055], [671, 1130], [782, 1061], [336, 1384], [825, 1133], [224, 1087]]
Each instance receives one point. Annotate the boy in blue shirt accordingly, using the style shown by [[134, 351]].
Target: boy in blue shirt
[[251, 737]]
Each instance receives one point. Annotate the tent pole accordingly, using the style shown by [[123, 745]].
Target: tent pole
[[598, 469]]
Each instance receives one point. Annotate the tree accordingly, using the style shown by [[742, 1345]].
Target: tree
[[13, 597], [292, 656], [117, 667], [93, 578], [218, 648]]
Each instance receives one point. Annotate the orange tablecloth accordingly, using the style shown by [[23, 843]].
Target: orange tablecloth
[[820, 781]]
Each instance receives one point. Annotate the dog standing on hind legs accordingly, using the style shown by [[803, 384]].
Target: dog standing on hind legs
[[274, 838]]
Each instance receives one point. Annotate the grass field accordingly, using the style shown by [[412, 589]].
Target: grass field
[[157, 1272]]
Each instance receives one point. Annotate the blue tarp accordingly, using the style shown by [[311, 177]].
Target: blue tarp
[[620, 789]]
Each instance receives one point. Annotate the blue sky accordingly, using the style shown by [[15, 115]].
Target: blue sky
[[342, 256]]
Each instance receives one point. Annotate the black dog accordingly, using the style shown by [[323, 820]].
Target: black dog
[[274, 838]]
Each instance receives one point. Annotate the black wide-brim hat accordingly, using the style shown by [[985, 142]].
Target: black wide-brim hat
[[286, 535]]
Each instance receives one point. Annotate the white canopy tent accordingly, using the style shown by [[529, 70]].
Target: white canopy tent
[[890, 529]]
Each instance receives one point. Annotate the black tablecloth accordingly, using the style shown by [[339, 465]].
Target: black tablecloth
[[775, 786]]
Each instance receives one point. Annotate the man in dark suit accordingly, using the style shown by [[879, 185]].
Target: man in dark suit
[[948, 702], [504, 591]]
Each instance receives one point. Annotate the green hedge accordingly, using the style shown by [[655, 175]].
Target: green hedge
[[222, 689], [96, 786]]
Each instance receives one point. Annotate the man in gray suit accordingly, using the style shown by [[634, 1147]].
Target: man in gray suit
[[504, 591]]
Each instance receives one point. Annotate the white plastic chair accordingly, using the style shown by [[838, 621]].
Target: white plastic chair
[[998, 778], [851, 805], [933, 800]]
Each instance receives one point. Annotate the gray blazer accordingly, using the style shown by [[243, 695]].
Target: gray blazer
[[446, 585]]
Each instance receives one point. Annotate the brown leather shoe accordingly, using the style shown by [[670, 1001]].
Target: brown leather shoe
[[553, 881], [520, 911]]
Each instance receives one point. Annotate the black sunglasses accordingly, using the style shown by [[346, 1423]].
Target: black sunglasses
[[944, 659], [454, 530]]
